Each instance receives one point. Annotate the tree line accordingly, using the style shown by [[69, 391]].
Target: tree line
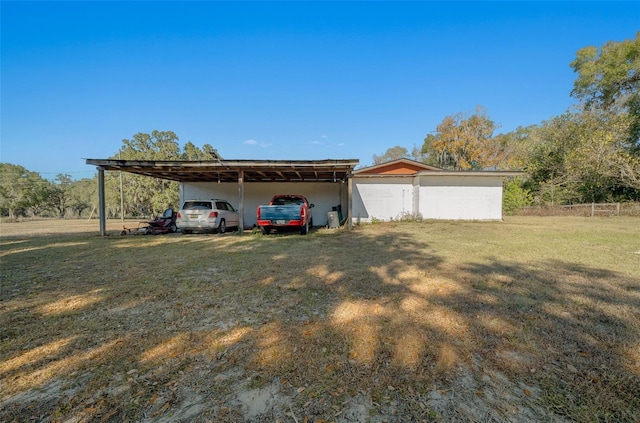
[[591, 153], [25, 193]]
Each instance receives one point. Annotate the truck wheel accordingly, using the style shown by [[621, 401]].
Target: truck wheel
[[304, 229], [265, 230]]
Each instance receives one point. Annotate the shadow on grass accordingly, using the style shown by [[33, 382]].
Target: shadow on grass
[[250, 327]]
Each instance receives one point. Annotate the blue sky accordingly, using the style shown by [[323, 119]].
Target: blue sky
[[285, 80]]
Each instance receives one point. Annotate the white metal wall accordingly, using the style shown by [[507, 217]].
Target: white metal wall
[[324, 196], [461, 197], [383, 198]]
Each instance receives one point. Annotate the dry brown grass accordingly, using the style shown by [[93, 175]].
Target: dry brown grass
[[531, 319]]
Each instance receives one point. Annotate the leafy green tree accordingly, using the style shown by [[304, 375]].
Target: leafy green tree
[[83, 195], [600, 157], [427, 152], [58, 194], [21, 190], [609, 79], [140, 191], [545, 162], [581, 157], [210, 153], [191, 152], [393, 153], [143, 195], [159, 145], [515, 147]]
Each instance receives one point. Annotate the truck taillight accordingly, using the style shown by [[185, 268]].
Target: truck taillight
[[258, 213], [213, 215], [302, 211]]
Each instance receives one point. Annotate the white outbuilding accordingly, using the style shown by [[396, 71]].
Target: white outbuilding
[[404, 189]]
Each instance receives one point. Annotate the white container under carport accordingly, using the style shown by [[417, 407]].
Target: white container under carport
[[333, 220]]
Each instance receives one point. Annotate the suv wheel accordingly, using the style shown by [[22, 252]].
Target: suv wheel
[[222, 228]]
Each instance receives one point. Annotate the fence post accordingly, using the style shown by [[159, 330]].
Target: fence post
[[593, 209]]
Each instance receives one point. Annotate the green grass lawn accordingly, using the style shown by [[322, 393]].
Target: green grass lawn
[[530, 319]]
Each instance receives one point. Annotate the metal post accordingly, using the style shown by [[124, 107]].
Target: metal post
[[101, 202], [241, 201], [121, 195], [350, 201]]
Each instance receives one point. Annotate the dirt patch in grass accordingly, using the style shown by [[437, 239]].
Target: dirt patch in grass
[[531, 319]]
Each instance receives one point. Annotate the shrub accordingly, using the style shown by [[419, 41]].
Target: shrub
[[515, 196]]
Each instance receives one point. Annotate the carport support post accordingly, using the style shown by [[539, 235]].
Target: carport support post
[[101, 202], [241, 201], [349, 201]]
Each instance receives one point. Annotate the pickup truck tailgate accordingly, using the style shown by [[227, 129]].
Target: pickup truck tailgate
[[280, 215]]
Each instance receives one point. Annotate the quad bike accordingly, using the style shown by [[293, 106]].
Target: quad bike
[[159, 225]]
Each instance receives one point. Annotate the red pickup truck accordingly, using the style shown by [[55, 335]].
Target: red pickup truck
[[285, 211]]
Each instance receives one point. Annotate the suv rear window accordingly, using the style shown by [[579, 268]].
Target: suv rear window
[[197, 205]]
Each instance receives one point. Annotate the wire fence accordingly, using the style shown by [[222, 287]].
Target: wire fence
[[587, 210]]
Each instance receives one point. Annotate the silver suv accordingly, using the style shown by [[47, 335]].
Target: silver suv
[[206, 215]]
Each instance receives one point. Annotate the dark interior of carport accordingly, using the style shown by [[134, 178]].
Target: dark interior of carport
[[239, 171]]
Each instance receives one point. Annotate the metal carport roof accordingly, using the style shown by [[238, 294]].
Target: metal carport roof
[[229, 170]]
